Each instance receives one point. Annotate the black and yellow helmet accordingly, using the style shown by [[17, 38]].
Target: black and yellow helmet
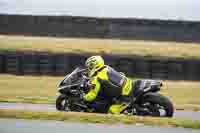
[[94, 63]]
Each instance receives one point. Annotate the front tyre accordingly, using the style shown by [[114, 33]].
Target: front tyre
[[157, 105], [62, 102]]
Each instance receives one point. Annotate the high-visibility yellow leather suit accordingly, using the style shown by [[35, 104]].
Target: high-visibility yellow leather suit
[[122, 83]]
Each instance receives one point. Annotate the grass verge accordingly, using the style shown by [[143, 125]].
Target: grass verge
[[43, 89], [110, 46], [32, 100], [99, 118]]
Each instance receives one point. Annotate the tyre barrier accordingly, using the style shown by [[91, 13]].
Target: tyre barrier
[[44, 63], [2, 63], [61, 64], [12, 64], [158, 69], [176, 70], [29, 63]]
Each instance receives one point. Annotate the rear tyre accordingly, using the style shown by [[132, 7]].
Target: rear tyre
[[157, 105]]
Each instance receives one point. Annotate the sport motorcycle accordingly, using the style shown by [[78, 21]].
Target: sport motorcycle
[[145, 101]]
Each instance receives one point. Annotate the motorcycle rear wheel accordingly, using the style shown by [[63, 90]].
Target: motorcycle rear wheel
[[158, 105]]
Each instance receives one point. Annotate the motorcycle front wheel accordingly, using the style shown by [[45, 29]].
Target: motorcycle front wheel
[[62, 103]]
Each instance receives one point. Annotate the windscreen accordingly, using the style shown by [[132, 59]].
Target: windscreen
[[75, 77]]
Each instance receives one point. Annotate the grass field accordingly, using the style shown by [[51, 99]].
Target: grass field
[[42, 89], [140, 48]]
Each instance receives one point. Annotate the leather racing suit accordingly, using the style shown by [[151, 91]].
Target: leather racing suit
[[113, 83]]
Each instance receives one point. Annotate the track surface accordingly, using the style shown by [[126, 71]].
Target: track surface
[[48, 107], [41, 126]]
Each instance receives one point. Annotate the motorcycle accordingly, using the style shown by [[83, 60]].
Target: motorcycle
[[145, 101]]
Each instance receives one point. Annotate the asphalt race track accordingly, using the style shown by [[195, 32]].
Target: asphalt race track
[[44, 126], [48, 107]]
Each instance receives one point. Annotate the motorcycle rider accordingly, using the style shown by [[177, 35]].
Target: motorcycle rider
[[107, 81]]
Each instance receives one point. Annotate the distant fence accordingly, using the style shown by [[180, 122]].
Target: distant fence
[[23, 63], [66, 26]]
